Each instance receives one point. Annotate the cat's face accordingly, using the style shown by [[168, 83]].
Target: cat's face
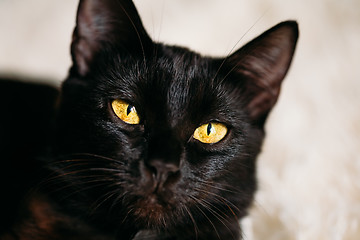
[[159, 136]]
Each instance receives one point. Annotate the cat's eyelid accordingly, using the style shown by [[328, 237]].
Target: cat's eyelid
[[214, 120], [127, 100]]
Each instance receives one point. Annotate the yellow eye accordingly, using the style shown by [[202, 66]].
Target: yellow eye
[[210, 132], [125, 111]]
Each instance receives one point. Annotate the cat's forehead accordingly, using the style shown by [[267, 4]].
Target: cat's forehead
[[182, 82], [174, 85]]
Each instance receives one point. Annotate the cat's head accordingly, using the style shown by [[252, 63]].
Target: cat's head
[[157, 136]]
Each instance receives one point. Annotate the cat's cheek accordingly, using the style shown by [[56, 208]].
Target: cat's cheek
[[200, 155]]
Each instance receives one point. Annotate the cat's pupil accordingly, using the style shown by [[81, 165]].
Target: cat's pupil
[[209, 128], [129, 109]]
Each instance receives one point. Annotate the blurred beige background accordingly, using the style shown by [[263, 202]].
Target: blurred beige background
[[309, 171]]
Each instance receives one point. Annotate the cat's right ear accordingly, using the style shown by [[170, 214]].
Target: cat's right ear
[[102, 24]]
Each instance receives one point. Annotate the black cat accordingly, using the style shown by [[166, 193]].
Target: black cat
[[152, 141]]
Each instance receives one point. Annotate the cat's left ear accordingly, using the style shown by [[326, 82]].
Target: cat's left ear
[[262, 65], [106, 24]]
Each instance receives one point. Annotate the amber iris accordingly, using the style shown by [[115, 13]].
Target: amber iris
[[125, 111], [211, 132]]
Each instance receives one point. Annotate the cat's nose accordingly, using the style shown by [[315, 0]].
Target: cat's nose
[[163, 158], [163, 172]]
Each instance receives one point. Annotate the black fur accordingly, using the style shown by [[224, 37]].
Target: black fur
[[154, 179]]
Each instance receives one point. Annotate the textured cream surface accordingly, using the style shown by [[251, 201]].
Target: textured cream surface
[[309, 171]]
